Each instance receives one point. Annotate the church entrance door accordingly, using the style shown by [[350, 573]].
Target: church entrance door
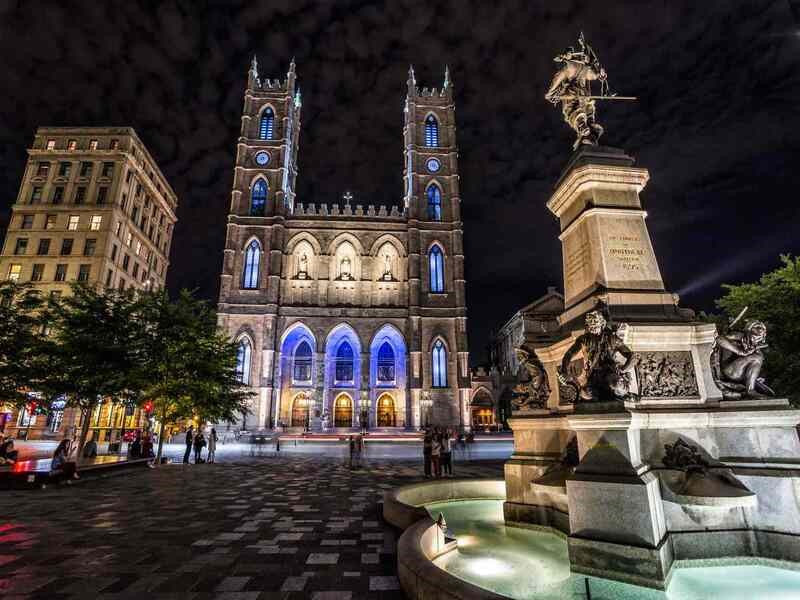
[[299, 410], [386, 416], [343, 411]]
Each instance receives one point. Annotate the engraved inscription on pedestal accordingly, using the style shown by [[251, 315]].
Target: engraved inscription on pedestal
[[627, 253], [666, 375]]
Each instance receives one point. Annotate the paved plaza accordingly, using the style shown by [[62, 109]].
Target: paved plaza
[[250, 528]]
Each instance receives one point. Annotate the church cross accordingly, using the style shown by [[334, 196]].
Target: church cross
[[347, 197]]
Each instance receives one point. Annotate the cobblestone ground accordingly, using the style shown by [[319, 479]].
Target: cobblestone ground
[[286, 527]]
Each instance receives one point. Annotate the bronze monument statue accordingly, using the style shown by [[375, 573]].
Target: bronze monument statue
[[737, 359], [533, 388], [608, 363], [571, 86]]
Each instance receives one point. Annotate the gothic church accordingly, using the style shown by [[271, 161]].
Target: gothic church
[[346, 316]]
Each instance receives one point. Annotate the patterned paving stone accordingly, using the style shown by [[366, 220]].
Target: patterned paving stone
[[260, 528]]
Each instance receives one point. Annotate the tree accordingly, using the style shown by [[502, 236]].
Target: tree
[[189, 364], [19, 341], [92, 346], [775, 300]]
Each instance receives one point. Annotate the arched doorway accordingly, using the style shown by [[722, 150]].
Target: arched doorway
[[343, 411], [300, 410], [386, 415]]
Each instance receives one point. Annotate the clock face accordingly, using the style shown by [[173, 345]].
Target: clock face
[[262, 158], [433, 165]]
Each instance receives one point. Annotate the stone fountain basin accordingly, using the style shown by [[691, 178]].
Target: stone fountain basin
[[717, 488]]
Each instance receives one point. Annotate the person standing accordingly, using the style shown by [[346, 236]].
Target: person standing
[[212, 444], [427, 446], [447, 453], [61, 461], [199, 444], [352, 444], [189, 442], [436, 455]]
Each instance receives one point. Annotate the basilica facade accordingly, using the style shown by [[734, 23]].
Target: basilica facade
[[347, 315]]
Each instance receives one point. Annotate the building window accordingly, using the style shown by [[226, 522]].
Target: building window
[[27, 222], [36, 194], [89, 247], [109, 274], [126, 260], [434, 203], [252, 256], [436, 267], [21, 246], [80, 195], [72, 144], [108, 169], [439, 364], [128, 239], [50, 222], [86, 169], [92, 144], [431, 132], [114, 253], [83, 272], [114, 144], [74, 221], [66, 246], [58, 195], [117, 228], [386, 363], [42, 169], [51, 145], [95, 223], [61, 273], [267, 125], [102, 195], [258, 198], [138, 247], [64, 169], [121, 284], [14, 271], [135, 272], [344, 363], [37, 273], [243, 354], [44, 247], [301, 369]]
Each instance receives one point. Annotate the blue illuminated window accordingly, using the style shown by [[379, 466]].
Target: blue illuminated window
[[431, 132], [344, 362], [258, 198], [434, 203], [386, 363], [252, 257], [267, 125], [302, 363], [439, 364], [243, 353], [436, 267]]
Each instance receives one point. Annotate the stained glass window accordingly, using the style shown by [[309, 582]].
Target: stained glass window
[[386, 363], [252, 258], [431, 132], [436, 267], [434, 203], [344, 362], [302, 363], [439, 364], [267, 124], [258, 198], [243, 352]]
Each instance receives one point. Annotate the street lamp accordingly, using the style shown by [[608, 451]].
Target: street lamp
[[426, 404]]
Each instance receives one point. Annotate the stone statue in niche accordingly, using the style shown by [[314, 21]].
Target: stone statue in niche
[[533, 388], [666, 375], [737, 359], [607, 366], [387, 268], [302, 266], [345, 273]]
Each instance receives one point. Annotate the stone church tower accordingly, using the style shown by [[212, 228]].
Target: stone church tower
[[346, 315]]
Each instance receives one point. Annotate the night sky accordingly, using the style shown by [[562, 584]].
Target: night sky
[[717, 122]]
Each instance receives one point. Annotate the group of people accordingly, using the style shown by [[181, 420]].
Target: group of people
[[197, 441], [8, 456], [141, 446], [437, 451]]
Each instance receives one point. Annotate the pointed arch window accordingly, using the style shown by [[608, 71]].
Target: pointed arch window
[[386, 363], [439, 364], [344, 363], [301, 369], [267, 125], [431, 132], [252, 258], [243, 356], [258, 198], [434, 203], [436, 268]]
